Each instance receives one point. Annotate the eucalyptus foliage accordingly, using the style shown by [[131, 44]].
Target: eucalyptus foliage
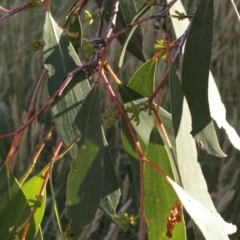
[[161, 145]]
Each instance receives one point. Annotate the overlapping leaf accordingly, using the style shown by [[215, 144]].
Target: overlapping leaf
[[19, 208], [60, 58], [189, 169], [195, 71], [140, 13], [86, 177]]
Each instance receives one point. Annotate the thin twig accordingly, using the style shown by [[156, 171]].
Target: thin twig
[[137, 147], [9, 13], [77, 9], [161, 14], [17, 139], [50, 101], [101, 21], [178, 52], [112, 21]]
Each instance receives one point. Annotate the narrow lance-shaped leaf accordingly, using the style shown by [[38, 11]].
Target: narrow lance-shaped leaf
[[195, 71], [190, 171], [161, 203], [140, 13], [60, 58], [217, 109], [85, 180]]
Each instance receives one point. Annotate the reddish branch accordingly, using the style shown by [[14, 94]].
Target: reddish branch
[[9, 13]]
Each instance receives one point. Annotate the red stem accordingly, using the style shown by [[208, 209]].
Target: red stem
[[137, 147], [9, 13]]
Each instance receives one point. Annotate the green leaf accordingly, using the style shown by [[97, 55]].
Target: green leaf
[[75, 28], [8, 187], [144, 128], [39, 235], [190, 171], [59, 59], [18, 209], [143, 80], [85, 180], [196, 64], [140, 13], [127, 11], [111, 191], [159, 196], [195, 71]]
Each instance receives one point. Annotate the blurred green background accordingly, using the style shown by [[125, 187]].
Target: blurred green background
[[20, 69]]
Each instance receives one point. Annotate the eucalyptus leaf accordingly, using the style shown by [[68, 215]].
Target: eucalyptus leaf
[[19, 208], [209, 222], [86, 176], [195, 71], [159, 197], [60, 58], [111, 191], [8, 187], [140, 13]]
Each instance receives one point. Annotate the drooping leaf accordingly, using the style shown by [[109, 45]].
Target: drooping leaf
[[127, 11], [140, 13], [209, 222], [85, 180], [111, 191], [195, 71], [60, 59], [190, 171], [159, 197], [19, 208], [217, 109]]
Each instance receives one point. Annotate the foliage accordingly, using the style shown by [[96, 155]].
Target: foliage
[[161, 145]]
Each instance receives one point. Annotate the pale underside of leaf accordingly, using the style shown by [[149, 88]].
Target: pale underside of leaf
[[209, 221], [217, 109], [190, 171]]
